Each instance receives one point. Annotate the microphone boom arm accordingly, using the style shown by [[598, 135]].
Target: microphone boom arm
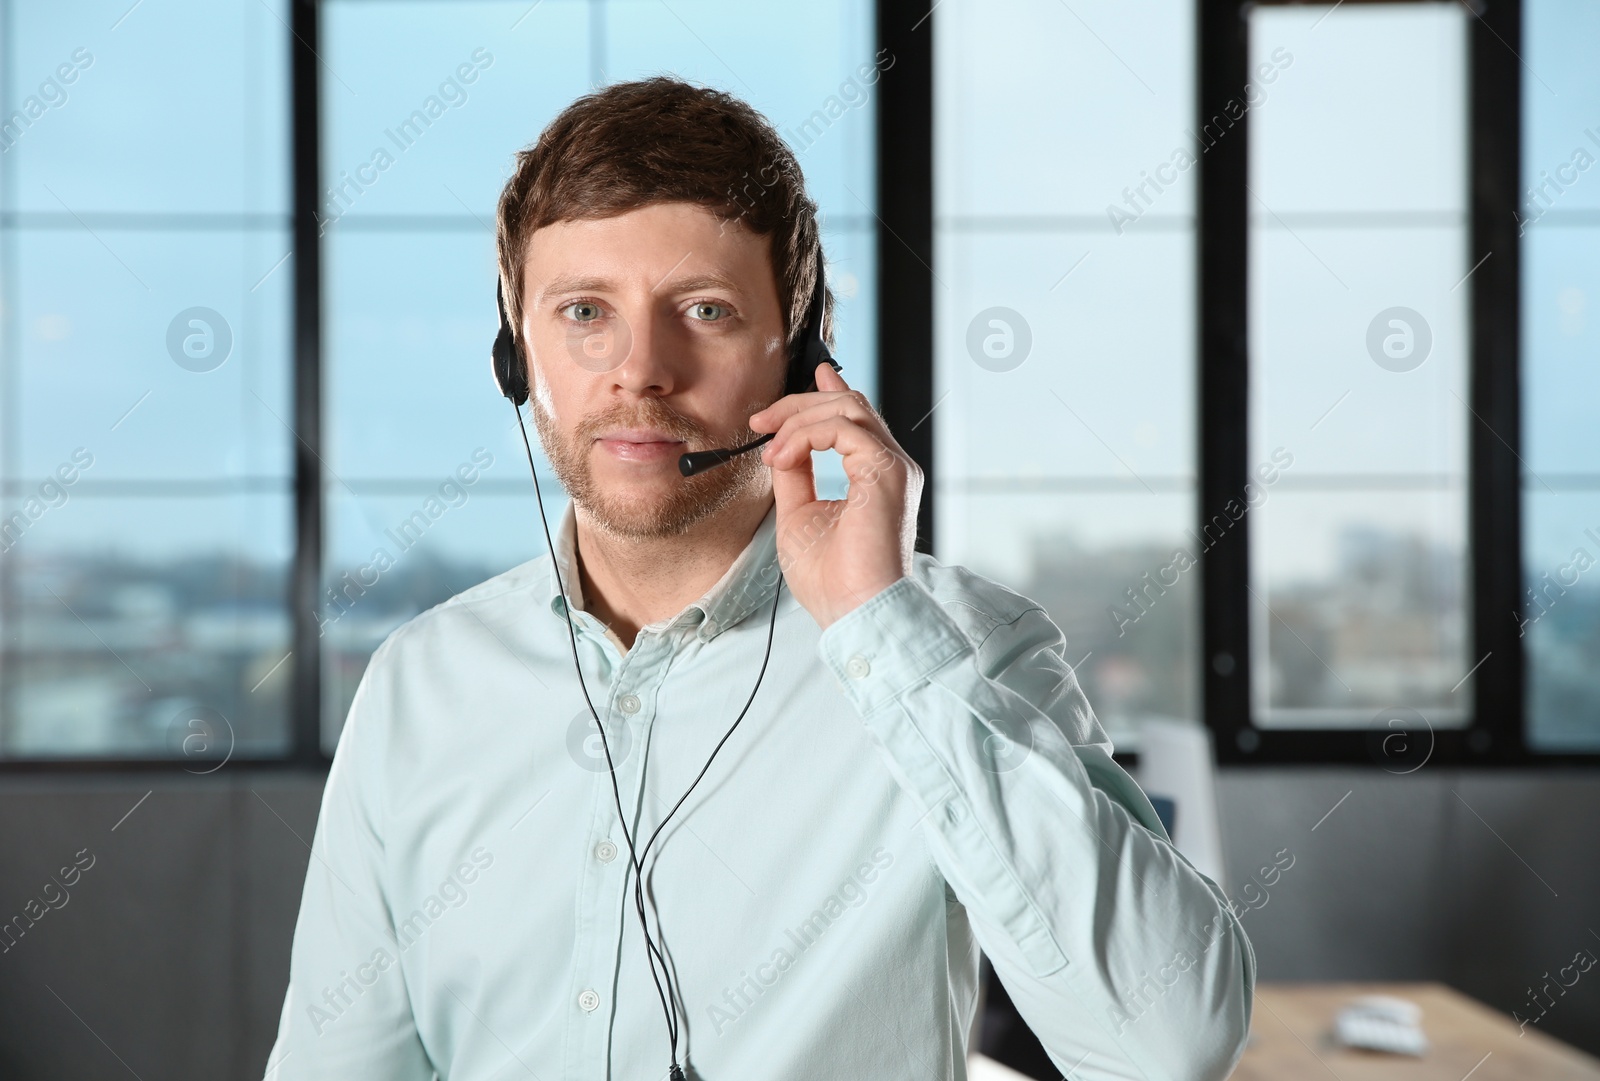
[[701, 460]]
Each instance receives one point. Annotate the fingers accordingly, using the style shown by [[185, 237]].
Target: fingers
[[860, 448], [852, 406], [796, 411], [829, 384]]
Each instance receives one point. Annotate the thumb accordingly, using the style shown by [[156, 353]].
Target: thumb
[[828, 379]]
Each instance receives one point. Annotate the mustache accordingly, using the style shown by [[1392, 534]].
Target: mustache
[[650, 413]]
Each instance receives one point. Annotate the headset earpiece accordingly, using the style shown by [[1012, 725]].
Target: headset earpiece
[[510, 376], [809, 349]]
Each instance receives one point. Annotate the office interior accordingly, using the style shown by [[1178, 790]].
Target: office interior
[[1256, 341]]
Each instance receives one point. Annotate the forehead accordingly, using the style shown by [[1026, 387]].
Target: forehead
[[689, 244]]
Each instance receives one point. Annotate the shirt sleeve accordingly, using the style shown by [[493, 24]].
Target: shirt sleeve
[[347, 1014], [1124, 960]]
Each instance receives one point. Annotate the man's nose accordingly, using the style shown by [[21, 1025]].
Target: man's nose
[[650, 356]]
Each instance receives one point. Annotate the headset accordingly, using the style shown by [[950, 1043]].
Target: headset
[[511, 377]]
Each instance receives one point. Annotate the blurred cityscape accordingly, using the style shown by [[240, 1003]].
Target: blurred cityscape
[[1133, 663], [1388, 628], [111, 657], [1563, 671]]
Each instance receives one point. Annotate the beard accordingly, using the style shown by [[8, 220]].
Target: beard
[[642, 516]]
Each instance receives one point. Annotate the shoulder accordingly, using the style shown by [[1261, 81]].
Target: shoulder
[[979, 605]]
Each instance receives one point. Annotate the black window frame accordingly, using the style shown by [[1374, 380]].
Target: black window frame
[[1496, 732], [905, 250]]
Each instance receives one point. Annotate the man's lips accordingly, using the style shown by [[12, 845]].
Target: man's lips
[[639, 444]]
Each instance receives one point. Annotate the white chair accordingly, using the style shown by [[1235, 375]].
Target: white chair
[[1176, 763]]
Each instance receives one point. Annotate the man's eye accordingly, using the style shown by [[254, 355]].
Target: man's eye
[[707, 312], [582, 311]]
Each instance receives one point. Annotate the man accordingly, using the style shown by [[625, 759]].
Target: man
[[918, 775]]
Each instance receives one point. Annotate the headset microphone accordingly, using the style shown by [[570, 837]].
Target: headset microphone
[[511, 377]]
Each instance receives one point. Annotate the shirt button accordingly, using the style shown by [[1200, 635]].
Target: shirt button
[[629, 703], [588, 1001], [857, 667], [708, 628], [605, 851]]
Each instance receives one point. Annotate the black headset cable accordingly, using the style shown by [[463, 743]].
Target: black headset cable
[[653, 952]]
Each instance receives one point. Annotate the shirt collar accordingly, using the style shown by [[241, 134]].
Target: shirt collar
[[745, 586]]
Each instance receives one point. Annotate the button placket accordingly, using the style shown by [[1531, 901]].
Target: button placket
[[597, 944]]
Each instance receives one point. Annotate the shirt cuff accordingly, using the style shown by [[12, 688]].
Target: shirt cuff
[[894, 641]]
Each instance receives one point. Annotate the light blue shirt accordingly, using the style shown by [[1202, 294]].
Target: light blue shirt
[[922, 779]]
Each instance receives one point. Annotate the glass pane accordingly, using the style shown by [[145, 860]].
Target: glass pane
[[408, 383], [145, 533], [186, 379], [1087, 100], [151, 626], [180, 107], [1358, 300], [1560, 617], [1064, 356], [411, 261], [1091, 386]]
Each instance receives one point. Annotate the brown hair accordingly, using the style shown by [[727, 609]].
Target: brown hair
[[659, 140]]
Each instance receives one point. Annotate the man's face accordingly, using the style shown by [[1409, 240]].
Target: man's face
[[650, 334]]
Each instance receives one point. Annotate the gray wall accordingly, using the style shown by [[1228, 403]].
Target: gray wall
[[1483, 880], [172, 952]]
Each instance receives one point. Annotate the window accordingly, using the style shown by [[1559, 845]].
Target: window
[[144, 380], [1559, 230], [1254, 340], [1362, 286], [1358, 265], [1064, 282]]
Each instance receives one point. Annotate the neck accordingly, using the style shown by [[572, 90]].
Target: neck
[[629, 582]]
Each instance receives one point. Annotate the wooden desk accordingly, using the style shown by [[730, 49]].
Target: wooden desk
[[1291, 1029]]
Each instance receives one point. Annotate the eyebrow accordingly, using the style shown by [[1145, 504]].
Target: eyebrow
[[578, 283], [572, 283], [701, 281]]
